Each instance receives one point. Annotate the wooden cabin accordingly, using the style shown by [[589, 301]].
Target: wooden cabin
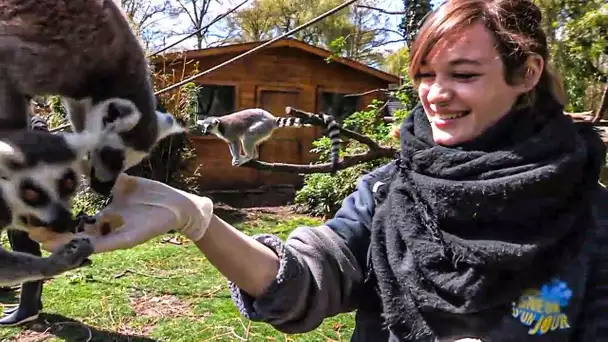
[[285, 73]]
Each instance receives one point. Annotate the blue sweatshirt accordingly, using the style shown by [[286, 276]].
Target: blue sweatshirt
[[322, 272]]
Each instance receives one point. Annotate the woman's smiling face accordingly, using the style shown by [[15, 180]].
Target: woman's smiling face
[[462, 86]]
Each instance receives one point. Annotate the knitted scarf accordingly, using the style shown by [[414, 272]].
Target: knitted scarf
[[463, 231]]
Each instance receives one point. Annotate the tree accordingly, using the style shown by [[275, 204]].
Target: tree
[[396, 62], [415, 11], [146, 17], [577, 32], [196, 11], [353, 32]]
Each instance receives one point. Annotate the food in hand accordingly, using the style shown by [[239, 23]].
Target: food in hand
[[51, 241]]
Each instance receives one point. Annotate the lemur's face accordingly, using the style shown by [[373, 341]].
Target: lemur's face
[[40, 173], [208, 125], [111, 120]]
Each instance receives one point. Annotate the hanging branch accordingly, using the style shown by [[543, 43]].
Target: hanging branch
[[381, 10], [375, 151]]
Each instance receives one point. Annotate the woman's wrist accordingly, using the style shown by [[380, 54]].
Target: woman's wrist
[[240, 258]]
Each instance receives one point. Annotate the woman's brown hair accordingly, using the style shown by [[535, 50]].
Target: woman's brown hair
[[515, 26]]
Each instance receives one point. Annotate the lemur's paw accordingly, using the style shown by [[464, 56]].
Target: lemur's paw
[[71, 255], [242, 161]]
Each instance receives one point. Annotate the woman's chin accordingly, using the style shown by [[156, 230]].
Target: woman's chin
[[447, 138]]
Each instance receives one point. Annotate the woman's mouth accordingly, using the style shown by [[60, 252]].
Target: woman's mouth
[[455, 115], [448, 118], [442, 119]]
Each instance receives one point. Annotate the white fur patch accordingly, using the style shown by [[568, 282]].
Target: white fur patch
[[167, 125]]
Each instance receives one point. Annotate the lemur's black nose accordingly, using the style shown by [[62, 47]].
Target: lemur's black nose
[[103, 188], [62, 220]]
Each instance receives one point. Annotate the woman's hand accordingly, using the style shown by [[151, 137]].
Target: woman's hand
[[142, 209]]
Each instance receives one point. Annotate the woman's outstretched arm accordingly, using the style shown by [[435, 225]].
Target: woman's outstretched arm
[[243, 260], [317, 272]]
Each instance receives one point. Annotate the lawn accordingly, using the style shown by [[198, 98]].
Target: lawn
[[163, 290]]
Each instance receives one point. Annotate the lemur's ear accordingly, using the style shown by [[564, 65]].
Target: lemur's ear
[[11, 159], [120, 115], [113, 115], [167, 125]]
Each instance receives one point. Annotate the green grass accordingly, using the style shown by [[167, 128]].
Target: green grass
[[158, 291]]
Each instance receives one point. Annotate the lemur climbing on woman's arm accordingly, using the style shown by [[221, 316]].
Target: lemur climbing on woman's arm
[[30, 298], [38, 177], [86, 52], [251, 127]]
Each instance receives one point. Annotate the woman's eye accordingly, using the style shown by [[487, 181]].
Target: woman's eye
[[424, 75], [465, 76]]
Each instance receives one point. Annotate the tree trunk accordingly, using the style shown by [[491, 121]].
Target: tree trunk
[[603, 108]]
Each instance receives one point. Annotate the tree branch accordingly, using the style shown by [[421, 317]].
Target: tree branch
[[382, 10], [324, 167], [387, 91], [315, 119], [376, 151]]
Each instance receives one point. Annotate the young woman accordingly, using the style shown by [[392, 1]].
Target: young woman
[[488, 226]]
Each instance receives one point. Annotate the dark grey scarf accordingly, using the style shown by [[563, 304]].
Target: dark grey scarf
[[462, 231]]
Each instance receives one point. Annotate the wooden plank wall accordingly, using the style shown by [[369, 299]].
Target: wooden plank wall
[[272, 79]]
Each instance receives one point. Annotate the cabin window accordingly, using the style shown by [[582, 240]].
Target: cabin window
[[337, 105], [215, 100]]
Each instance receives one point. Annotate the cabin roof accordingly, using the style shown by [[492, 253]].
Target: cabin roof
[[286, 42]]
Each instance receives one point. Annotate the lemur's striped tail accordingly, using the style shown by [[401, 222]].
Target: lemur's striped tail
[[332, 130], [37, 123], [289, 121]]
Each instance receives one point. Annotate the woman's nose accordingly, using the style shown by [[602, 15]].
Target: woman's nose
[[439, 93]]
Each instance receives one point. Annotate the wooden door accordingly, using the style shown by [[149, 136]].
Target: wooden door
[[284, 146], [275, 102]]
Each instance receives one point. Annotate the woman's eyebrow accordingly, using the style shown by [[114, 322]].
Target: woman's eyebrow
[[461, 61]]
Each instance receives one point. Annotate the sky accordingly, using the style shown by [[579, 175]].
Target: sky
[[217, 8], [222, 6]]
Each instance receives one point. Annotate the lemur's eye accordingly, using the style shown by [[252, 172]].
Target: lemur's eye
[[67, 183], [15, 165], [31, 194]]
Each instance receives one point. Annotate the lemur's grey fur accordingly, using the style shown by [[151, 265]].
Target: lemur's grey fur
[[86, 52], [39, 174], [253, 126]]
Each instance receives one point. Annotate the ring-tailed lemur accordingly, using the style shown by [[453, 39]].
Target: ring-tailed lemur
[[39, 173], [86, 52], [253, 126]]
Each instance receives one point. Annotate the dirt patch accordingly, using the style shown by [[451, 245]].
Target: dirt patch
[[160, 306], [279, 211], [32, 336], [233, 215], [266, 196]]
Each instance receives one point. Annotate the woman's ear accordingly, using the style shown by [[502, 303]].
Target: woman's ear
[[533, 69]]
